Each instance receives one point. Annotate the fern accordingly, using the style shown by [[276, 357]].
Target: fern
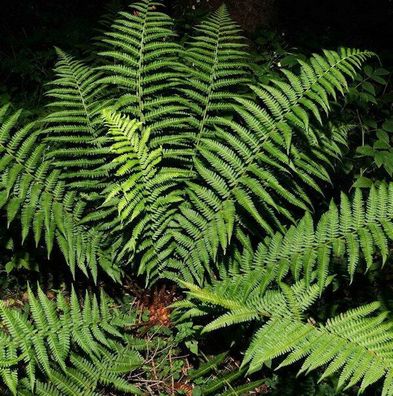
[[356, 230], [32, 188], [215, 64], [356, 345], [247, 166], [141, 65], [54, 332], [147, 194], [245, 304], [253, 168], [307, 253], [73, 126], [168, 161], [84, 376]]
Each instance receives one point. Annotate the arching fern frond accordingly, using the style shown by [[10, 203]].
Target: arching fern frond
[[142, 63], [288, 102], [215, 69], [249, 169], [145, 193], [32, 190], [355, 345], [88, 377], [357, 230], [242, 302], [74, 127], [51, 333]]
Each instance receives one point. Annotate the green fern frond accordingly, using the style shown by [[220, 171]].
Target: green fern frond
[[142, 63], [32, 190], [352, 233], [215, 68], [75, 110], [244, 303], [354, 230], [52, 333], [258, 165], [145, 193], [356, 346]]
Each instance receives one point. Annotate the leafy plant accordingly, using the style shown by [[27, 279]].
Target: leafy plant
[[369, 106], [177, 162], [71, 348]]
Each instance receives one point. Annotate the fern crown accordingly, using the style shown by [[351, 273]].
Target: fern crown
[[175, 161]]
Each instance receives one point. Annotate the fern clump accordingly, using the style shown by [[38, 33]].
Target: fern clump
[[239, 158], [170, 160]]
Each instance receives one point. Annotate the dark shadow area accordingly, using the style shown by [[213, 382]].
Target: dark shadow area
[[30, 29], [365, 24], [347, 22]]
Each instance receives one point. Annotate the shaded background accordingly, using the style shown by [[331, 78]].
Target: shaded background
[[30, 28]]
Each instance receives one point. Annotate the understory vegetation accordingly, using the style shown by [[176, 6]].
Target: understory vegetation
[[194, 214]]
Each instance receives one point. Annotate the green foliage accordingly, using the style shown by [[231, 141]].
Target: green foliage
[[73, 126], [356, 344], [147, 193], [215, 66], [33, 191], [248, 291], [248, 162], [354, 231], [249, 168], [74, 348], [369, 106], [190, 163], [141, 61]]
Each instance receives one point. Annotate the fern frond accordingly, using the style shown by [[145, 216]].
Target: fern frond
[[257, 165], [146, 194], [73, 126], [215, 68], [52, 333], [355, 345], [142, 63], [245, 302], [32, 190], [353, 231]]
